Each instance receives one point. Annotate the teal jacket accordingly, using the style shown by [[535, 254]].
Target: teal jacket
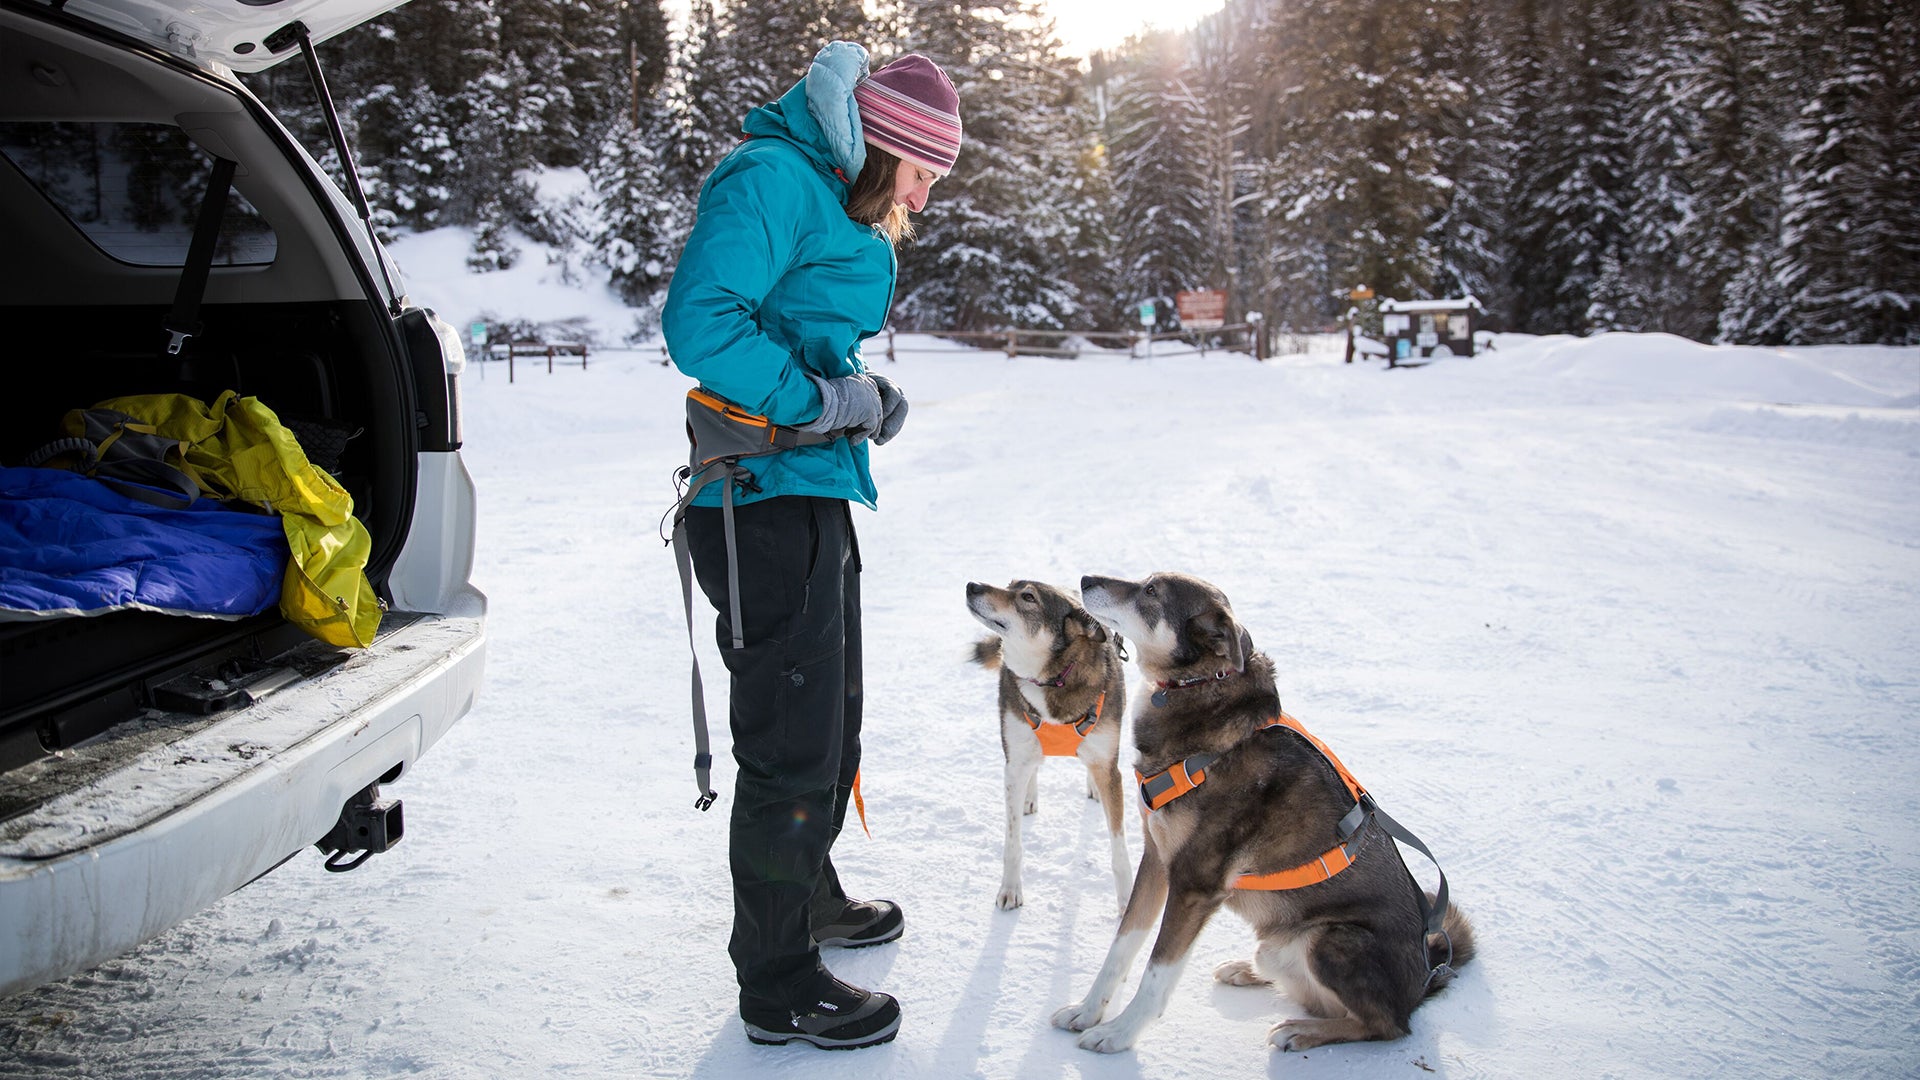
[[777, 282]]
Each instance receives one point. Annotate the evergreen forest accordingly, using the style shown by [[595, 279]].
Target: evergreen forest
[[1728, 170]]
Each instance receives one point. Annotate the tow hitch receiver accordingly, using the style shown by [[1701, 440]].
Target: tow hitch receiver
[[368, 825]]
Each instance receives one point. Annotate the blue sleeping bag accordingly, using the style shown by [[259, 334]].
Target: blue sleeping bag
[[70, 545]]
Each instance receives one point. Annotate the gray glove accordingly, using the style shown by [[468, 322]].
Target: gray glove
[[893, 409], [849, 405]]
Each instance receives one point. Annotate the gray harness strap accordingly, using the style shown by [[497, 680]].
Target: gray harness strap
[[725, 444], [702, 748]]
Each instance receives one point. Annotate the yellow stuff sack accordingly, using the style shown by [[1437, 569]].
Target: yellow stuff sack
[[237, 448]]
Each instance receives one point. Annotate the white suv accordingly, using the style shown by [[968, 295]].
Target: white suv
[[151, 763]]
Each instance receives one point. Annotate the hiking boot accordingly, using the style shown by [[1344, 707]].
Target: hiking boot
[[842, 1017], [860, 924]]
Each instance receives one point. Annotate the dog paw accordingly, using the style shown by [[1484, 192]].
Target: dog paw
[[1293, 1035], [1010, 897], [1076, 1017], [1239, 973], [1032, 805], [1107, 1039]]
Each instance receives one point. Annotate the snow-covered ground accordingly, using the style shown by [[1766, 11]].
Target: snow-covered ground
[[1624, 627]]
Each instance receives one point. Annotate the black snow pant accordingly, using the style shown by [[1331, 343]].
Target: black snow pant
[[795, 715]]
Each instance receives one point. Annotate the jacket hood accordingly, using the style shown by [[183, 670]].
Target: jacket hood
[[818, 113]]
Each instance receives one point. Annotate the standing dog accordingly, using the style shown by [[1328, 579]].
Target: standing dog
[[1351, 949], [1062, 694]]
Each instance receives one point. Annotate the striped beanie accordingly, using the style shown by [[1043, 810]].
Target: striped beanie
[[910, 109]]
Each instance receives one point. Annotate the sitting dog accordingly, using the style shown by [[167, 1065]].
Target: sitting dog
[[1062, 694], [1247, 809]]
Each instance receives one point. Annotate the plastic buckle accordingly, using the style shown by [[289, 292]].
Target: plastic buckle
[[705, 801]]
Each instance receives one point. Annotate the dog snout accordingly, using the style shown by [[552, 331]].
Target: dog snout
[[974, 588]]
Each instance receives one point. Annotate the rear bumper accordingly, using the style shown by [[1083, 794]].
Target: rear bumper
[[142, 843]]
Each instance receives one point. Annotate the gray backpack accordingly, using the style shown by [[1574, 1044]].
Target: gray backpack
[[124, 454]]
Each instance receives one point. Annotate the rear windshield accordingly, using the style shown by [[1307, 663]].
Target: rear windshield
[[134, 189]]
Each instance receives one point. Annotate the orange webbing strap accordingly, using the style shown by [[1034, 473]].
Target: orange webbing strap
[[1063, 740], [860, 804], [1353, 786], [1312, 872], [1335, 859], [1183, 776], [1162, 788]]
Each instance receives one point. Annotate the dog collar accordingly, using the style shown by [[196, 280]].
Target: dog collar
[[1057, 681], [1160, 688]]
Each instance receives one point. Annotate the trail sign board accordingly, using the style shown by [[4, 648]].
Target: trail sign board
[[1201, 309]]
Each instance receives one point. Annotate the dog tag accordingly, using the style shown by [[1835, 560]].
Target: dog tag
[[1159, 699]]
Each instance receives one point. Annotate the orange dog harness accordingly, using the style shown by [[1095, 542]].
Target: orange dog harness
[[1183, 776], [1063, 740], [1163, 787]]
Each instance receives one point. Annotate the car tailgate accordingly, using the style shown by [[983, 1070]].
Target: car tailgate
[[106, 844]]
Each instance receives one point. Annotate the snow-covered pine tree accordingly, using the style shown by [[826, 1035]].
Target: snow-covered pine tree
[[1018, 208], [1353, 188], [1162, 209], [487, 191], [1224, 88], [1567, 202], [764, 47], [594, 69], [420, 167], [1849, 259], [1475, 150], [698, 101], [643, 219], [1735, 168], [1642, 285]]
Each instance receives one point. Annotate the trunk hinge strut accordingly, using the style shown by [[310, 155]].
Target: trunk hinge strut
[[297, 31]]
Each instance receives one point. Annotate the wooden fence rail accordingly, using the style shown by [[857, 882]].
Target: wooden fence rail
[[548, 349], [1020, 342]]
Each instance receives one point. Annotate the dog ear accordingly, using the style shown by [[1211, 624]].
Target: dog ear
[[1214, 631], [1088, 626]]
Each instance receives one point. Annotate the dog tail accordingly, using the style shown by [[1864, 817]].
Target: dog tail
[[1457, 939], [986, 653]]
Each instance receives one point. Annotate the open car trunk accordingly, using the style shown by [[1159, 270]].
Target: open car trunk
[[103, 163], [323, 368]]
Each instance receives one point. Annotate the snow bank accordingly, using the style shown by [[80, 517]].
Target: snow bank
[[1665, 367]]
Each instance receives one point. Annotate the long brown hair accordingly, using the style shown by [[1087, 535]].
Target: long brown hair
[[870, 202]]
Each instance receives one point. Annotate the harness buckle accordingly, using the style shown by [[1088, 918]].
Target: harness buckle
[[705, 802]]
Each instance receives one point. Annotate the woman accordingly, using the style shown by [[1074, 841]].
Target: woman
[[789, 267]]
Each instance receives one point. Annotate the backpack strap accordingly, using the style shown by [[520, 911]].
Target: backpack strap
[[148, 480]]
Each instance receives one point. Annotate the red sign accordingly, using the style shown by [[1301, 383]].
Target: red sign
[[1202, 309]]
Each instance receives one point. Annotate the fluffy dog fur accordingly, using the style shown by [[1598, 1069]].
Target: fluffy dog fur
[[1350, 951], [1055, 662]]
